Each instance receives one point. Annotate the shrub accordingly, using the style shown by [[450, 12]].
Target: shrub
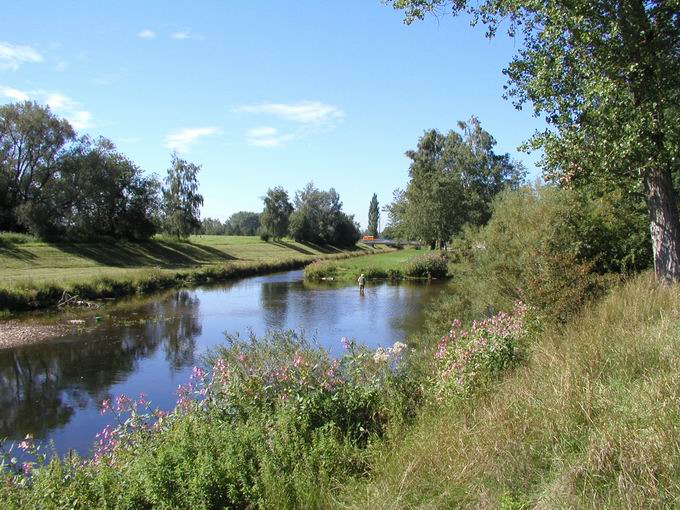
[[467, 359], [428, 265], [271, 422], [319, 270]]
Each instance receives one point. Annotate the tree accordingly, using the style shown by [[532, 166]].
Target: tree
[[181, 200], [453, 179], [277, 210], [606, 76], [243, 223], [373, 216], [318, 218], [212, 227], [31, 141]]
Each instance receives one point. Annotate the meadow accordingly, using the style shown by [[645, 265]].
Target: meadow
[[34, 274]]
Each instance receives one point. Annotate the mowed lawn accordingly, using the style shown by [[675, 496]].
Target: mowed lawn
[[39, 262], [348, 269]]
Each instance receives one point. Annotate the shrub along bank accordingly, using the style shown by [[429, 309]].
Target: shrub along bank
[[396, 265]]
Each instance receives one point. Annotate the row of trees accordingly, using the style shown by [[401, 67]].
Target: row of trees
[[315, 216], [57, 185], [242, 223], [453, 180]]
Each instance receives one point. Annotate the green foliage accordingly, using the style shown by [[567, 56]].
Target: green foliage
[[272, 422], [373, 216], [31, 141], [243, 223], [276, 213], [212, 227], [318, 218], [428, 265], [181, 200], [453, 179], [606, 77]]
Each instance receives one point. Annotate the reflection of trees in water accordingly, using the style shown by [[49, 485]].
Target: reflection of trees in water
[[274, 300], [42, 385]]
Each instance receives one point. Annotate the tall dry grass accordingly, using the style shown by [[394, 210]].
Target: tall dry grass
[[591, 421]]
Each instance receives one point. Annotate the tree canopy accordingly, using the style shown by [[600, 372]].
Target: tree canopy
[[606, 77], [181, 199]]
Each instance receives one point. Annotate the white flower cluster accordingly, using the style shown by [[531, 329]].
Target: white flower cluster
[[383, 355]]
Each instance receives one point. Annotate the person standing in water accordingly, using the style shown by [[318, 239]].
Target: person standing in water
[[362, 283]]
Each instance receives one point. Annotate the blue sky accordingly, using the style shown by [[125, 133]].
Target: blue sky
[[261, 93]]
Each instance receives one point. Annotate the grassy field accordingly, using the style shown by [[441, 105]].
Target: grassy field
[[33, 274], [378, 266], [41, 262]]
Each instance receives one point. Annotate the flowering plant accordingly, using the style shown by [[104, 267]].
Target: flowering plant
[[467, 358]]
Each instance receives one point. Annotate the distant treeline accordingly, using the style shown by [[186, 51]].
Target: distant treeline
[[58, 185], [314, 216]]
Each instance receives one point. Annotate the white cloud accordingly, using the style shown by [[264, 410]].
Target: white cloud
[[267, 136], [17, 95], [12, 56], [147, 34], [61, 104], [182, 35], [61, 65], [183, 139], [303, 112]]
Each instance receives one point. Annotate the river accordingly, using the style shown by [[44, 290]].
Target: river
[[53, 390]]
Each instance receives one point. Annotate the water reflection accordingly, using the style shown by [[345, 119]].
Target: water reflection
[[53, 390]]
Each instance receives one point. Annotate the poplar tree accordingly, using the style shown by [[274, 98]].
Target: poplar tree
[[373, 216]]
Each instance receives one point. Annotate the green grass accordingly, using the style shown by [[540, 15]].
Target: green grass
[[377, 267], [591, 421], [33, 274]]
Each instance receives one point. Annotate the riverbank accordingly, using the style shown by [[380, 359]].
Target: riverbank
[[535, 416], [401, 264], [35, 275]]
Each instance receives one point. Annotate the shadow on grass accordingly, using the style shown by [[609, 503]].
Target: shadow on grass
[[14, 251], [292, 246], [151, 253]]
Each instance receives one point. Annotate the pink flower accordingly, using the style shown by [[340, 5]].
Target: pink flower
[[298, 360], [106, 406], [345, 342]]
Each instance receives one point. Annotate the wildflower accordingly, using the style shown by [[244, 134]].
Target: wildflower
[[27, 467], [381, 355], [27, 443], [298, 360], [398, 347], [345, 342], [106, 406]]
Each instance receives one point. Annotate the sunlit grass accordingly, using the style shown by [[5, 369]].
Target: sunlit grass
[[590, 422]]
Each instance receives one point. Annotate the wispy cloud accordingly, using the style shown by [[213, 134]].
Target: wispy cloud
[[267, 136], [303, 112], [182, 140], [307, 118], [146, 34], [61, 65], [61, 104], [12, 56], [182, 35], [17, 95]]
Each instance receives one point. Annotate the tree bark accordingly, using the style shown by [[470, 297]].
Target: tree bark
[[663, 219]]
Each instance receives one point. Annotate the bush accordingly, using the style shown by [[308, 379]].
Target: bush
[[271, 422], [428, 265]]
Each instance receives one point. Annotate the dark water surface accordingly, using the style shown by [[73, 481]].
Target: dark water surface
[[54, 390]]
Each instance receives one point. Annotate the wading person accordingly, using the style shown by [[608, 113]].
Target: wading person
[[362, 283]]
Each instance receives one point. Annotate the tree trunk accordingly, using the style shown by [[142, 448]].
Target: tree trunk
[[663, 218]]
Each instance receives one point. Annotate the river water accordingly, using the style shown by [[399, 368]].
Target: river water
[[54, 390]]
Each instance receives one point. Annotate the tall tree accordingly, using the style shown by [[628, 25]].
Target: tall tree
[[606, 76], [181, 199], [453, 179], [373, 216], [31, 140], [277, 210]]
